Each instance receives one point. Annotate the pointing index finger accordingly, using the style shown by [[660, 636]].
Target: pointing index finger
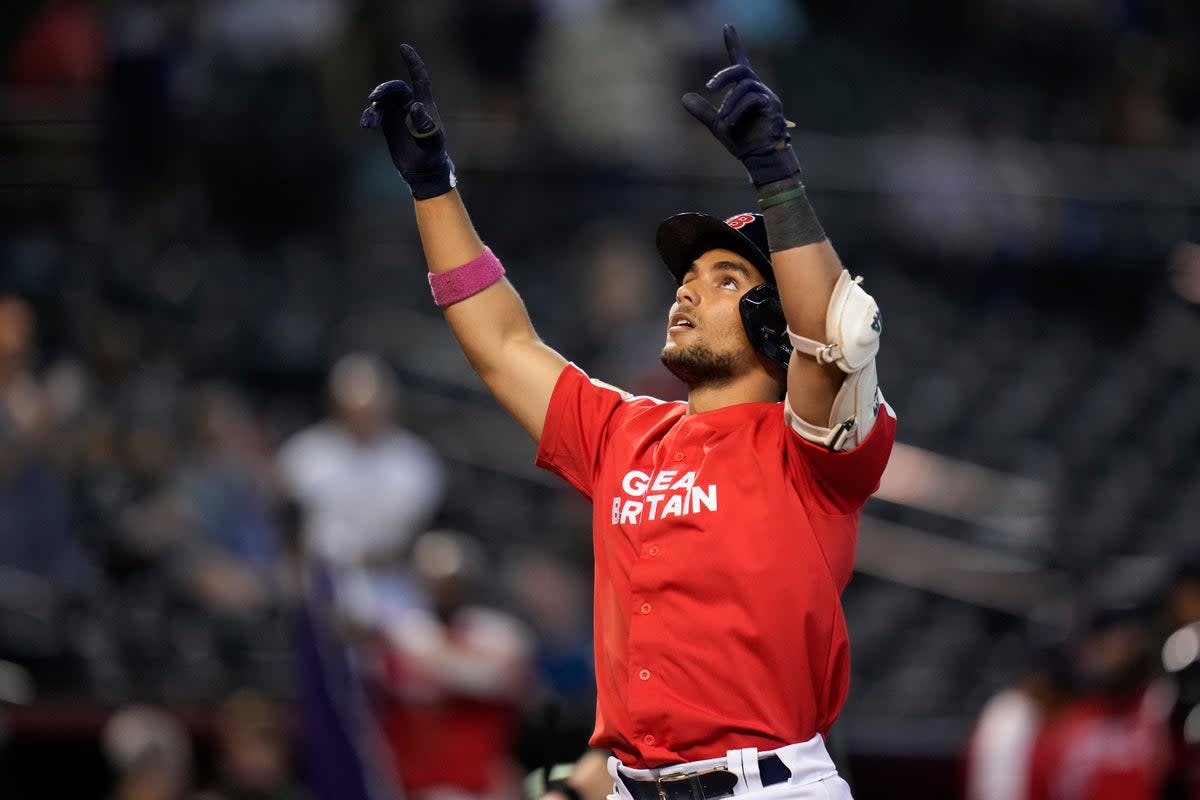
[[420, 75], [733, 45]]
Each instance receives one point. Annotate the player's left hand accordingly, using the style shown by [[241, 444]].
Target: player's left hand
[[749, 121]]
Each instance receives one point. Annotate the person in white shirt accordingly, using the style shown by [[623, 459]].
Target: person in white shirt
[[367, 486], [1001, 746]]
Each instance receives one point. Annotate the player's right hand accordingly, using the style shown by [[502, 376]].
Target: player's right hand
[[413, 128]]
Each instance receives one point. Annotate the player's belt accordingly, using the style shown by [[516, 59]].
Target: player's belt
[[703, 785]]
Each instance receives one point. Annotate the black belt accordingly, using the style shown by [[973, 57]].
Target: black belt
[[703, 785]]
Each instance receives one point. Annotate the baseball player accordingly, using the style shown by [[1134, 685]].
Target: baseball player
[[724, 526]]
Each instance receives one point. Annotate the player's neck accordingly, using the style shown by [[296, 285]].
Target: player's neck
[[754, 387]]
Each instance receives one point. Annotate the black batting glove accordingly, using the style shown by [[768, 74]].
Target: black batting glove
[[750, 120], [413, 129]]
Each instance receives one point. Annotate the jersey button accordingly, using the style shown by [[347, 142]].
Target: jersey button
[[648, 738], [679, 456], [644, 674], [645, 608], [652, 550]]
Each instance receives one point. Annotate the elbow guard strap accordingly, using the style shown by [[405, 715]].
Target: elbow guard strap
[[851, 417]]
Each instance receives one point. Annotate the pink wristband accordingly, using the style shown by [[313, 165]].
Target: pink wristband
[[471, 278]]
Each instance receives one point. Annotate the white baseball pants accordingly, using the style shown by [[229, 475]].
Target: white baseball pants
[[814, 776]]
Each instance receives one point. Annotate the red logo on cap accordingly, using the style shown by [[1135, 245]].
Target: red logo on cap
[[738, 220]]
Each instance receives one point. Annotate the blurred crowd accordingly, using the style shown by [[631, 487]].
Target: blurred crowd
[[203, 499], [151, 756], [1107, 706], [156, 547]]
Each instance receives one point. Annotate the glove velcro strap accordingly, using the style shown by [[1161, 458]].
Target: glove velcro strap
[[428, 183], [772, 165]]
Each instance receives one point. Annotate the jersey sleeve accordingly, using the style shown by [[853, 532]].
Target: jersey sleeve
[[842, 481], [576, 427]]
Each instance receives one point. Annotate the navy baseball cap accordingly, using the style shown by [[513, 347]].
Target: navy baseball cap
[[684, 237]]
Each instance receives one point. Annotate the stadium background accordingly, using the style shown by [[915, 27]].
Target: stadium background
[[198, 230]]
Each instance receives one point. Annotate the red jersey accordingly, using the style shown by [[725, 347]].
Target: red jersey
[[1096, 750], [722, 541]]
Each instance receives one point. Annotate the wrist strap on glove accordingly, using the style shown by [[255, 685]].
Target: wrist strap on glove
[[775, 164], [429, 183]]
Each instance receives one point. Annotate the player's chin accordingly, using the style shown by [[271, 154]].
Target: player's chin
[[679, 332], [675, 340]]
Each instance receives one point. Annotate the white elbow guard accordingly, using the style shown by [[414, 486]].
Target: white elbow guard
[[852, 327]]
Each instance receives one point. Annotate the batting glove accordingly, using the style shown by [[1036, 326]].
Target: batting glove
[[750, 121], [413, 129]]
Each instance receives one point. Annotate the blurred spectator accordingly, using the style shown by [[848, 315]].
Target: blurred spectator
[[1174, 323], [36, 535], [1183, 271], [254, 752], [1183, 594], [62, 48], [1181, 659], [554, 598], [367, 485], [149, 753], [145, 506], [454, 677], [22, 400], [1139, 114], [112, 400], [999, 751], [96, 374], [176, 522], [1111, 743], [44, 570], [226, 481]]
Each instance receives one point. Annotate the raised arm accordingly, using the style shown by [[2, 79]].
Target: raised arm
[[834, 325], [483, 309]]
